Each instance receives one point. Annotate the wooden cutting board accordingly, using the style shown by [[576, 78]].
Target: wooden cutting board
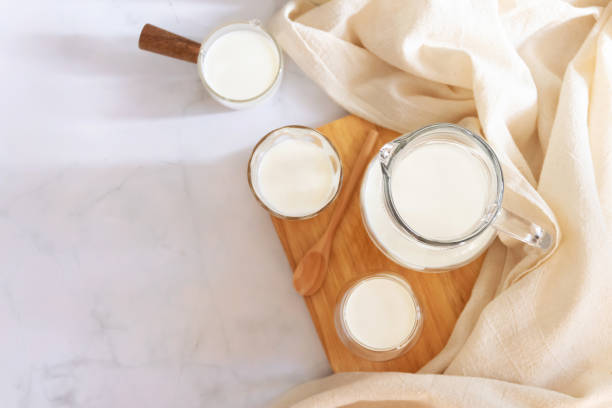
[[442, 296]]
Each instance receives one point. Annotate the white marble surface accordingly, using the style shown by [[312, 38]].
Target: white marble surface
[[136, 269]]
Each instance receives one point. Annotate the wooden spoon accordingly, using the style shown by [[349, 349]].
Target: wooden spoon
[[312, 269]]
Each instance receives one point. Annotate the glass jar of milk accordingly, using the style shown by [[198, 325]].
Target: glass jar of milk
[[432, 200], [294, 172], [378, 317]]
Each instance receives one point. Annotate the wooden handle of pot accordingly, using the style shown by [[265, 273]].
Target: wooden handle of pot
[[163, 42]]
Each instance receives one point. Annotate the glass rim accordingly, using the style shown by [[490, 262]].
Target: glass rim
[[294, 217], [389, 151], [254, 24]]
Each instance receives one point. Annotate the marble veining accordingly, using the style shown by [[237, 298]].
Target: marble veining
[[136, 269]]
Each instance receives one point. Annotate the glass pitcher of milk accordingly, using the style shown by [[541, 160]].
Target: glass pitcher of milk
[[432, 200]]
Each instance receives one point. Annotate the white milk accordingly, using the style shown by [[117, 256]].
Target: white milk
[[429, 209], [296, 178], [241, 64], [440, 190], [380, 313]]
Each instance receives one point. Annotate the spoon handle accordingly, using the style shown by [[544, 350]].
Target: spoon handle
[[348, 188], [163, 42]]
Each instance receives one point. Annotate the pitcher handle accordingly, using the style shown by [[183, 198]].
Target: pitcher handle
[[522, 229]]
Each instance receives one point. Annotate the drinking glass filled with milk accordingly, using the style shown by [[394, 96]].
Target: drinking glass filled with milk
[[240, 64], [379, 317], [294, 172], [432, 200]]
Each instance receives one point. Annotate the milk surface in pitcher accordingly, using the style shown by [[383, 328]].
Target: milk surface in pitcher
[[440, 189]]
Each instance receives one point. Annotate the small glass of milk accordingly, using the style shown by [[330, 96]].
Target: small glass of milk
[[240, 64], [294, 172], [379, 317]]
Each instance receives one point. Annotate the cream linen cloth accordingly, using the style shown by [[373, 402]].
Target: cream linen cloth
[[535, 78]]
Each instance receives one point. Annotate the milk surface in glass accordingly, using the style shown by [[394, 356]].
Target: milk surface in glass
[[380, 313], [296, 178]]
